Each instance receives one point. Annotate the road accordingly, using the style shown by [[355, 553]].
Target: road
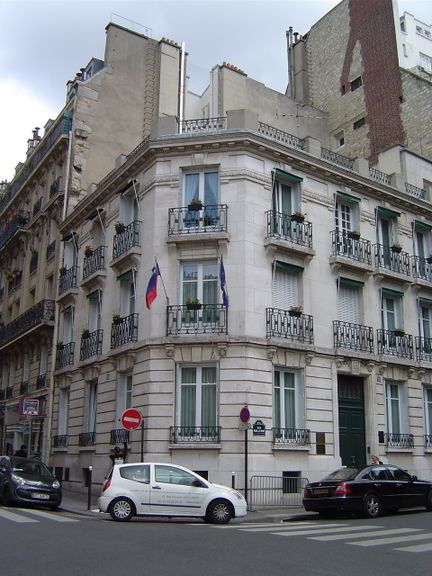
[[49, 543]]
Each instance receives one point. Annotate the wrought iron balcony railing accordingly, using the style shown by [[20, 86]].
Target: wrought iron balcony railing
[[55, 187], [124, 330], [126, 239], [179, 434], [392, 259], [94, 262], [87, 439], [347, 245], [393, 343], [41, 381], [91, 344], [65, 355], [202, 125], [415, 191], [24, 387], [288, 227], [421, 268], [40, 313], [338, 159], [185, 222], [17, 223], [280, 136], [423, 348], [60, 441], [379, 176], [68, 279], [428, 441], [399, 440], [119, 436], [281, 324], [353, 336], [208, 319], [50, 251], [297, 436]]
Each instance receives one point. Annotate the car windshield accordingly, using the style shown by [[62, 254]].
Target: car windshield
[[30, 467], [342, 474]]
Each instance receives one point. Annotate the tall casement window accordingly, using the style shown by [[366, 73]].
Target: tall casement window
[[397, 412], [349, 301], [288, 403], [422, 246], [386, 234], [425, 318], [26, 368], [70, 255], [391, 310], [427, 399], [124, 393], [43, 360], [91, 408], [286, 285], [63, 416], [94, 310], [200, 282], [68, 322], [197, 403], [202, 185], [128, 206], [346, 213], [127, 293], [286, 192]]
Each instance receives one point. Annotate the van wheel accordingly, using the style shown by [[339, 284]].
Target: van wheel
[[372, 506], [429, 501], [219, 512], [122, 509]]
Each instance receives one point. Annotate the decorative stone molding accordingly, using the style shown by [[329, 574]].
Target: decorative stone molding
[[308, 358], [340, 361], [125, 362], [222, 350], [381, 368], [64, 381], [370, 366], [271, 352], [169, 350], [90, 373]]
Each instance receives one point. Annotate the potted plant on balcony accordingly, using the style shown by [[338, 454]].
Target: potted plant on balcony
[[88, 251], [429, 259], [63, 270], [59, 345], [195, 205], [354, 234], [116, 319], [399, 332], [396, 247], [193, 304], [298, 217], [295, 311], [119, 227], [85, 333]]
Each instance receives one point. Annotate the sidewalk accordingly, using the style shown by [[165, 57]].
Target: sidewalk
[[76, 503]]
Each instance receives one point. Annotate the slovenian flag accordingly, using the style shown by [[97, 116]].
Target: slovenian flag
[[151, 292], [223, 283]]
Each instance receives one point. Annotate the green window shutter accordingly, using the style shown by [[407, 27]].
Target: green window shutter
[[288, 267], [287, 176], [126, 276], [387, 212], [423, 226], [392, 293], [351, 282], [348, 197]]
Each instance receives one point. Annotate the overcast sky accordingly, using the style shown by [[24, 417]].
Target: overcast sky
[[44, 43]]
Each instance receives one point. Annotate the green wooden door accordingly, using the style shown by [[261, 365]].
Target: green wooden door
[[352, 442]]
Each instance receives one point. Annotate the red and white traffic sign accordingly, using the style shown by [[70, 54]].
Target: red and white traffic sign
[[131, 419]]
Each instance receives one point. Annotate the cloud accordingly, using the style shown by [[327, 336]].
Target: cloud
[[20, 112]]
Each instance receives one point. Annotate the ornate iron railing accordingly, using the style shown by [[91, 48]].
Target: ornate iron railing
[[50, 251], [65, 355], [392, 259], [124, 330], [428, 441], [280, 136], [353, 336], [208, 319], [119, 436], [55, 187], [423, 348], [185, 222], [421, 268], [281, 324], [338, 159], [41, 381], [203, 125], [297, 436], [399, 440], [40, 313], [18, 223], [94, 262], [379, 176], [351, 247], [392, 343], [287, 227], [68, 279], [24, 387], [37, 207], [87, 439], [60, 441], [127, 238], [415, 191], [91, 344], [179, 434]]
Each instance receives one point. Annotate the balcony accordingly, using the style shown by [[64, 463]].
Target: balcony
[[188, 223], [208, 319], [126, 238], [380, 177], [347, 245], [119, 436], [394, 343], [68, 279], [87, 439], [191, 434], [93, 262], [293, 436], [60, 441], [41, 313], [17, 223], [282, 324], [353, 336], [65, 355], [124, 330], [399, 440], [202, 125], [41, 382], [423, 349], [280, 136], [91, 344], [415, 191], [24, 387], [337, 159], [290, 228], [421, 268], [393, 259], [50, 251]]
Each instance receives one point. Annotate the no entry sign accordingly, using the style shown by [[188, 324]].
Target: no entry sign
[[131, 419]]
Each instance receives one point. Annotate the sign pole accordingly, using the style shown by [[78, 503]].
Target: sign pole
[[142, 440], [246, 465]]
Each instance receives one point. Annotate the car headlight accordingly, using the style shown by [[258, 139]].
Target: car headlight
[[17, 479], [56, 484]]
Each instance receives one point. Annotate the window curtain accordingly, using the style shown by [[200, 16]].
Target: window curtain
[[289, 400], [191, 188], [188, 397], [208, 397]]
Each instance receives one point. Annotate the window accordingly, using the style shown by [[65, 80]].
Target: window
[[138, 473], [68, 321], [288, 399], [427, 33], [425, 310], [26, 367], [169, 475], [359, 123], [91, 406], [339, 139], [199, 281], [422, 240], [391, 310], [127, 293], [426, 62], [386, 228], [95, 310], [203, 185], [63, 416], [70, 255], [402, 24], [286, 193], [396, 408], [427, 398], [43, 362], [197, 397], [124, 394], [286, 285], [11, 375], [129, 208], [419, 30], [346, 214], [349, 299], [356, 83]]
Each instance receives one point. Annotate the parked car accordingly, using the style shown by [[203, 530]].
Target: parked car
[[167, 490], [28, 481], [371, 490]]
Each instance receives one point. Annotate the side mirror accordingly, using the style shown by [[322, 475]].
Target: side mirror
[[414, 478], [197, 483]]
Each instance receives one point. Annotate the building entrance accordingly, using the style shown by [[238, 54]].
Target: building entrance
[[352, 442]]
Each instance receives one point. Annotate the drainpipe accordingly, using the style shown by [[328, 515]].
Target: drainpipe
[[182, 83]]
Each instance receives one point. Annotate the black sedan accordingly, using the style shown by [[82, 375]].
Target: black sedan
[[28, 481], [371, 491]]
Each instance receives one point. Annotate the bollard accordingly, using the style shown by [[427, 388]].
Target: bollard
[[89, 486], [233, 474]]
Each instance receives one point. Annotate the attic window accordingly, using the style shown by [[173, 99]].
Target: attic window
[[356, 83], [359, 123]]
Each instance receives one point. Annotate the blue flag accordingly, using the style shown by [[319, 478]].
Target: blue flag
[[223, 283]]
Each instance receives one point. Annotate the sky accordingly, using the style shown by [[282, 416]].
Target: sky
[[43, 43]]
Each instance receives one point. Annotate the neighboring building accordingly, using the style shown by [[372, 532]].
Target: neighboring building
[[376, 86], [110, 108]]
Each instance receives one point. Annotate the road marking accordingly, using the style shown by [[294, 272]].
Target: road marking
[[278, 527], [393, 540], [365, 534], [47, 515], [15, 517], [244, 525], [418, 548], [314, 530]]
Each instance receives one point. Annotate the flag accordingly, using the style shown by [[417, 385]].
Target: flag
[[151, 292], [223, 283]]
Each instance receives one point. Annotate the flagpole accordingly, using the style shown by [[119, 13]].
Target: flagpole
[[163, 283]]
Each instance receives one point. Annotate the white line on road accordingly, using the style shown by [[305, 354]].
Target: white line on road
[[243, 525], [329, 528], [15, 517], [47, 515], [365, 534], [392, 540], [279, 527], [418, 548]]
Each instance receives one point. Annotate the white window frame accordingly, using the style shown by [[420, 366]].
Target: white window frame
[[124, 393], [95, 310], [204, 193], [68, 315], [350, 293], [128, 207], [293, 282], [396, 395], [63, 414], [427, 403], [299, 397], [127, 295], [200, 281], [386, 312], [92, 405], [199, 385]]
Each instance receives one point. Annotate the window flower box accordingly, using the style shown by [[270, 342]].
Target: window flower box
[[399, 332], [396, 248], [119, 227], [195, 205], [295, 311], [354, 234], [88, 251], [298, 217], [116, 319], [193, 304]]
